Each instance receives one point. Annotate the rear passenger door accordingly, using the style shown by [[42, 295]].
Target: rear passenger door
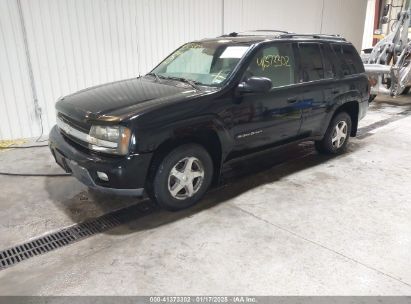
[[314, 76]]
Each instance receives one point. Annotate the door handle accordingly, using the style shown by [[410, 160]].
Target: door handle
[[292, 99]]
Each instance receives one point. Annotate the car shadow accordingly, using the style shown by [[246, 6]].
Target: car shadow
[[238, 177]]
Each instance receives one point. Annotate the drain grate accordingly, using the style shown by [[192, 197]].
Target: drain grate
[[72, 234]]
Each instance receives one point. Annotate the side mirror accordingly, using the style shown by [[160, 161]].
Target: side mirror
[[255, 85], [385, 10]]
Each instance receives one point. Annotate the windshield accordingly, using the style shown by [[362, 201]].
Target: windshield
[[204, 63]]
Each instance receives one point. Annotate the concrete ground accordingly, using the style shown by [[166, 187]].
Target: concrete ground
[[287, 222]]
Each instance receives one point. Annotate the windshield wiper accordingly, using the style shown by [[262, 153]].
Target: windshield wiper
[[192, 83], [155, 75]]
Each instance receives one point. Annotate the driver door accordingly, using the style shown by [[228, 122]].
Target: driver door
[[274, 116]]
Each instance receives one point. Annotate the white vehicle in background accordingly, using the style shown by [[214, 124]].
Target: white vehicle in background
[[388, 64]]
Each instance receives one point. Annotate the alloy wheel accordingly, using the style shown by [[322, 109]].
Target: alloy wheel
[[339, 135], [186, 178]]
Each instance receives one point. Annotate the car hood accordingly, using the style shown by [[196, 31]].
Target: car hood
[[119, 100]]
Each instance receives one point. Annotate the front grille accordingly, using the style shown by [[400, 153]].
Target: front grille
[[78, 144], [75, 140], [75, 124], [79, 138]]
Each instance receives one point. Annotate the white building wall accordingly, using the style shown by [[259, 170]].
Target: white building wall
[[17, 117], [345, 17], [75, 44], [297, 16], [369, 25]]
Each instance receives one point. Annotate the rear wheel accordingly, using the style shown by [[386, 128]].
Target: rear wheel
[[182, 177], [337, 135]]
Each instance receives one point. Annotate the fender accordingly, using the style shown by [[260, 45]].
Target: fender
[[337, 103], [191, 130], [186, 128]]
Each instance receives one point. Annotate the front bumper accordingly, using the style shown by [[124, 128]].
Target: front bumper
[[127, 175]]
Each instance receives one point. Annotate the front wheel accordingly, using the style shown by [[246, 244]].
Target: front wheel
[[337, 135], [182, 177]]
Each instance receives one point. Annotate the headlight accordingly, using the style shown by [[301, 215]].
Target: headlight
[[110, 139]]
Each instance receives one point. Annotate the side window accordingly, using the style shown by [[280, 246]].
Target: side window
[[275, 62], [311, 64], [339, 53], [352, 59], [349, 59], [329, 67]]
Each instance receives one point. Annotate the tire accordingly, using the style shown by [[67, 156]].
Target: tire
[[406, 91], [170, 187], [329, 144]]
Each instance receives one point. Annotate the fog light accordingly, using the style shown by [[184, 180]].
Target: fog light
[[103, 176]]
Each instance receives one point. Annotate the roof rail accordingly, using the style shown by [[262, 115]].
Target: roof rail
[[268, 31], [235, 34], [324, 36], [284, 34]]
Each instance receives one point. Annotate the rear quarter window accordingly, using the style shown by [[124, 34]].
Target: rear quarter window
[[350, 61]]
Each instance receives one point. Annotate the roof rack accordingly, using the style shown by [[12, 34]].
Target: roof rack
[[235, 34], [268, 31], [284, 34], [318, 36]]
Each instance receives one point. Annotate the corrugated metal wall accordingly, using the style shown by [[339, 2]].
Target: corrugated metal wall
[[75, 44], [344, 17], [294, 16], [17, 118]]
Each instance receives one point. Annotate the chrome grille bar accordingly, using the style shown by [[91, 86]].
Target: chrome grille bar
[[73, 132]]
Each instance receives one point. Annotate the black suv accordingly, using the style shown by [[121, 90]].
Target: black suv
[[169, 132]]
